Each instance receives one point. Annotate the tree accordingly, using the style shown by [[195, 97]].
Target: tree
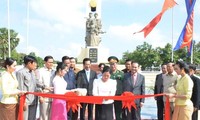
[[148, 57], [165, 53], [196, 53], [19, 57], [40, 62], [145, 55], [14, 41], [181, 54]]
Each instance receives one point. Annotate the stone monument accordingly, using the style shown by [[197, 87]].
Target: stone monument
[[93, 38], [93, 30]]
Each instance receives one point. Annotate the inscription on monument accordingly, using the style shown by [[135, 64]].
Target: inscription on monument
[[93, 54]]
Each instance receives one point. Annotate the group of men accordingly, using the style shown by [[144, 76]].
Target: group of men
[[165, 83], [34, 79]]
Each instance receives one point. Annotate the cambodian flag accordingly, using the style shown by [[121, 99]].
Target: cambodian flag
[[186, 36]]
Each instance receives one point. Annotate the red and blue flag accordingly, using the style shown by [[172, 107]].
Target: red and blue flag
[[186, 36]]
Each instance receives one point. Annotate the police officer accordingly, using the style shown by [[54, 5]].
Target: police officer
[[119, 77]]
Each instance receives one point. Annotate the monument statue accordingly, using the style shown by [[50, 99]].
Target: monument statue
[[93, 30]]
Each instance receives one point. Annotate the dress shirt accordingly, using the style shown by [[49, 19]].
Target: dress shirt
[[99, 75], [134, 78], [46, 76], [87, 72], [70, 79], [107, 88], [169, 82], [8, 85]]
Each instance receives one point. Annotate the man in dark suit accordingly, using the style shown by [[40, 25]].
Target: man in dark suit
[[85, 79], [158, 88], [195, 92], [134, 82]]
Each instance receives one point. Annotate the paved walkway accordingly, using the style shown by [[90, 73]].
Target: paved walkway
[[149, 110]]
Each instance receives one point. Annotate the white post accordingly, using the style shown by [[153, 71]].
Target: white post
[[27, 27], [172, 57], [8, 8]]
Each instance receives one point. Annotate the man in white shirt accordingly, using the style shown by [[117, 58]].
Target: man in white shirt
[[46, 76], [169, 82]]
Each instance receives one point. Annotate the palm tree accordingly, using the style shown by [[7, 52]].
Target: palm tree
[[14, 41]]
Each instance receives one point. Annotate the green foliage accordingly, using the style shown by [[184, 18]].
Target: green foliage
[[18, 56], [40, 62], [196, 53], [144, 54], [165, 53], [150, 57], [14, 41]]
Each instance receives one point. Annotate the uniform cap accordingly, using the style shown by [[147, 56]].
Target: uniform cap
[[113, 59]]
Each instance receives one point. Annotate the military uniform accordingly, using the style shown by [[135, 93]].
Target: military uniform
[[119, 77]]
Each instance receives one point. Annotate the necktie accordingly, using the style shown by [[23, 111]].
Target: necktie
[[134, 79], [88, 75]]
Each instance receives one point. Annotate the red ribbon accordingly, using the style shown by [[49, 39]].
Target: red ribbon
[[129, 102], [74, 101], [74, 104]]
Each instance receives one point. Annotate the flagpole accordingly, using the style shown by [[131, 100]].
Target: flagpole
[[192, 42], [27, 27], [172, 57], [8, 8]]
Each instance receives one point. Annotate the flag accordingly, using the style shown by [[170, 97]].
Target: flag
[[147, 29], [186, 36]]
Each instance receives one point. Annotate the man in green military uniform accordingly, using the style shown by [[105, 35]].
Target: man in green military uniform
[[119, 77]]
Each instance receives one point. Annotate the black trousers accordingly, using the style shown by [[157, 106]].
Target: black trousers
[[83, 109], [104, 112], [195, 115], [118, 109], [72, 115], [160, 108], [133, 114]]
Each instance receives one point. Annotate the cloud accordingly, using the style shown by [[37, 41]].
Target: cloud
[[197, 7], [73, 49], [134, 2], [155, 38], [66, 12], [47, 26], [22, 38], [33, 49], [196, 36]]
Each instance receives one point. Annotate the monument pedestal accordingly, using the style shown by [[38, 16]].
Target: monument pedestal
[[96, 54]]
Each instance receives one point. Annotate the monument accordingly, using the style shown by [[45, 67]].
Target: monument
[[93, 30], [93, 34]]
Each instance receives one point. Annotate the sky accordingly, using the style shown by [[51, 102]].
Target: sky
[[57, 27]]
